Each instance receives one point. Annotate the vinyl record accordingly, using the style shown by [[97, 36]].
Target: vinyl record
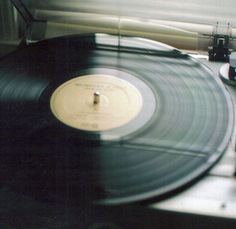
[[85, 118]]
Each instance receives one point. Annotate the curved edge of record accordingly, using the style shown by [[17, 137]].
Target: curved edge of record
[[230, 104], [190, 179]]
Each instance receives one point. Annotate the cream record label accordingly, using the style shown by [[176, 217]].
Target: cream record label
[[96, 102]]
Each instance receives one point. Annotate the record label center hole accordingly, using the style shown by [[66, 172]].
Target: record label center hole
[[96, 102]]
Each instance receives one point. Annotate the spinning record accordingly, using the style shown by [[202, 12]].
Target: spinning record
[[85, 119]]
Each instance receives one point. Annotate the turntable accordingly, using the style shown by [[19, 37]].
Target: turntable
[[105, 125]]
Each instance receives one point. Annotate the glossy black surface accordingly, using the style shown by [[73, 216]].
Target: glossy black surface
[[188, 128]]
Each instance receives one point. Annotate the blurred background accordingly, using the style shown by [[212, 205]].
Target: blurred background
[[184, 24]]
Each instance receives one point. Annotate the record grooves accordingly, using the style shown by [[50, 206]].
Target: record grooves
[[181, 120]]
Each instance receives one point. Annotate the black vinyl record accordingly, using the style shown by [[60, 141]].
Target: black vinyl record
[[183, 127]]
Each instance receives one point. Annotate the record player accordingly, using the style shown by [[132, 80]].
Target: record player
[[105, 125]]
